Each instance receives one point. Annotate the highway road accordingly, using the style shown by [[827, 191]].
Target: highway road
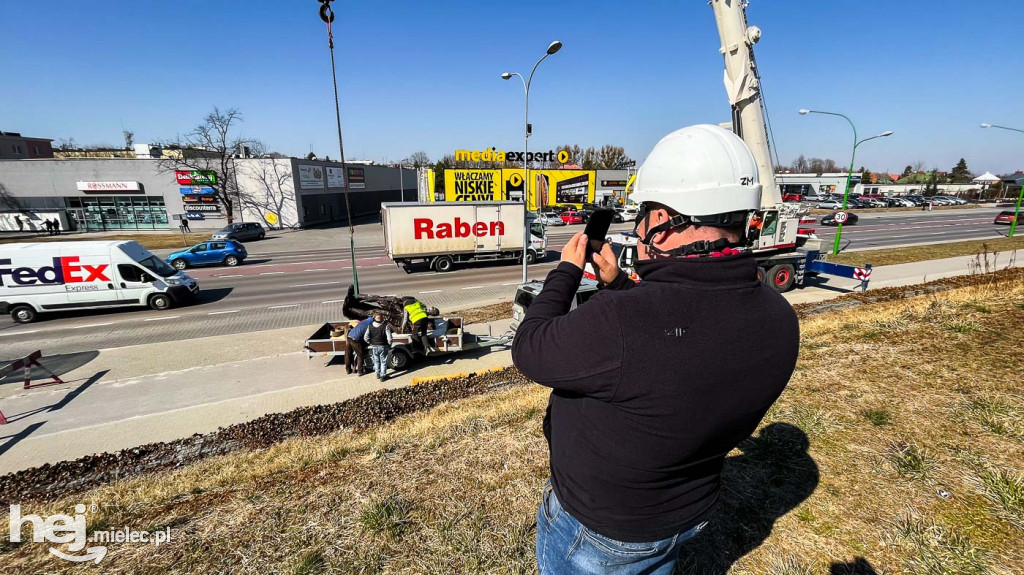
[[288, 283]]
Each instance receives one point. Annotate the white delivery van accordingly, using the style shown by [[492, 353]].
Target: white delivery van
[[58, 276], [445, 233]]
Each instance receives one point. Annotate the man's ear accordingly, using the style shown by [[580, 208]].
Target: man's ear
[[659, 217]]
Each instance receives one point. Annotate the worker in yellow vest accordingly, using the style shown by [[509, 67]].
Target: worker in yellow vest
[[415, 317]]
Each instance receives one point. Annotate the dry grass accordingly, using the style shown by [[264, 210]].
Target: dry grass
[[998, 250], [150, 241], [895, 449]]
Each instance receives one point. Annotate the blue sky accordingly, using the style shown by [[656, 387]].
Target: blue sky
[[425, 75]]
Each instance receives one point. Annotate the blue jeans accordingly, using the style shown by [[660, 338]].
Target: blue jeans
[[380, 359], [566, 547]]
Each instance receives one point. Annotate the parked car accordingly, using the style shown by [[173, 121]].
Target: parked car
[[830, 205], [940, 201], [573, 217], [549, 219], [241, 231], [830, 219], [873, 201], [1006, 217], [917, 200], [227, 252], [813, 199], [625, 214], [791, 197], [953, 200], [899, 203]]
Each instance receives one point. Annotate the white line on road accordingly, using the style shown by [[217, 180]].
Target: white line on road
[[19, 333], [91, 325], [316, 284], [431, 291], [223, 312], [283, 306], [330, 301], [511, 284], [162, 318], [317, 270], [383, 265], [231, 276], [270, 273], [473, 287]]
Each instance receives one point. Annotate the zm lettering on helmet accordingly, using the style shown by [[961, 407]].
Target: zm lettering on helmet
[[425, 228], [65, 270]]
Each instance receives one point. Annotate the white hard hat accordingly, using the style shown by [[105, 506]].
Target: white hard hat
[[701, 170]]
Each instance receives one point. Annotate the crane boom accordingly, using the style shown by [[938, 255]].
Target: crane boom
[[743, 87]]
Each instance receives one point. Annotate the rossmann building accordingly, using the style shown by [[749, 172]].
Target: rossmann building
[[109, 194]]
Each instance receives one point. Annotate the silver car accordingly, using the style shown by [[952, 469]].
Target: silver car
[[241, 231]]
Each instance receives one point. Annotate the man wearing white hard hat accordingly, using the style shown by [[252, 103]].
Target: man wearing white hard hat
[[653, 384]]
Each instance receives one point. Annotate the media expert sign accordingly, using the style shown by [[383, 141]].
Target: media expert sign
[[65, 270], [495, 155], [311, 176], [562, 186], [195, 178]]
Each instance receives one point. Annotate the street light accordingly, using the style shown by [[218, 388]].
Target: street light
[[849, 174], [1016, 212], [552, 48]]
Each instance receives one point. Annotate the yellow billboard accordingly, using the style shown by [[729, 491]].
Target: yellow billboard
[[546, 187]]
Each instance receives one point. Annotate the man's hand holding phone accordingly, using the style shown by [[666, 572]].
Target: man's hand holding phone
[[577, 253]]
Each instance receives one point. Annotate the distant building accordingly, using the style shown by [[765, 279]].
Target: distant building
[[14, 146]]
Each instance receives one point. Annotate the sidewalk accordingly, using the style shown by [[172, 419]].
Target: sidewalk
[[130, 396]]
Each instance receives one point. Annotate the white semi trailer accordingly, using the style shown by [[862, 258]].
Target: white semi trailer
[[444, 234]]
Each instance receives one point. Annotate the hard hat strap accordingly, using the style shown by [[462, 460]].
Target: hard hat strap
[[700, 247]]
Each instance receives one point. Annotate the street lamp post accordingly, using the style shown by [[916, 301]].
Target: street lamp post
[[552, 48], [849, 174], [1020, 196]]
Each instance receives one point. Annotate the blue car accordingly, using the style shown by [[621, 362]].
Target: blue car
[[214, 252]]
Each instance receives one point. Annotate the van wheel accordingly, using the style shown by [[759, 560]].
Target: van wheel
[[179, 264], [23, 314], [531, 257], [231, 261], [159, 301], [782, 277], [398, 360], [444, 264], [261, 236]]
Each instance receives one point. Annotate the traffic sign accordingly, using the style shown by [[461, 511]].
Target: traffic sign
[[841, 217]]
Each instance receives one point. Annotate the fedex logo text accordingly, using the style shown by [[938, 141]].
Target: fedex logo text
[[65, 270], [425, 228]]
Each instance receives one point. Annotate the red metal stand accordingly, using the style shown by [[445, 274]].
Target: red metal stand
[[27, 363]]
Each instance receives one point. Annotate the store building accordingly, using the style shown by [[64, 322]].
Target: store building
[[142, 194]]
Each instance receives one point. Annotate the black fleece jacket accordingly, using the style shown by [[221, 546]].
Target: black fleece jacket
[[653, 385]]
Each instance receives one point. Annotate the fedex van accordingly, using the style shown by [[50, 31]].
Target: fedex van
[[58, 276]]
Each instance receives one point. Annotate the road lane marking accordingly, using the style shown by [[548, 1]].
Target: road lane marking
[[316, 284], [330, 301], [511, 284], [432, 291], [317, 270], [383, 265], [162, 318], [283, 306], [91, 325], [231, 276], [270, 273], [19, 333], [473, 287], [223, 312]]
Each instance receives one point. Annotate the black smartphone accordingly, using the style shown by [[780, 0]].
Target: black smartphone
[[597, 228]]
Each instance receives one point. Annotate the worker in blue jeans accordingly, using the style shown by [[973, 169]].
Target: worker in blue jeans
[[378, 335], [590, 552]]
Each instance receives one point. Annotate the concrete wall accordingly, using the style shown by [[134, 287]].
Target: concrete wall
[[268, 187], [322, 204]]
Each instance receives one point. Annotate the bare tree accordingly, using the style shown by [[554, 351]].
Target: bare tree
[[418, 160], [800, 165], [211, 147], [65, 144], [274, 188]]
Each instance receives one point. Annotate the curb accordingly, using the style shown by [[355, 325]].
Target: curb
[[433, 378]]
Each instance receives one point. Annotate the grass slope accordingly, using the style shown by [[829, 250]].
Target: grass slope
[[895, 449], [997, 251]]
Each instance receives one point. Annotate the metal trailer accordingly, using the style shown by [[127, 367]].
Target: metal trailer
[[449, 337]]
